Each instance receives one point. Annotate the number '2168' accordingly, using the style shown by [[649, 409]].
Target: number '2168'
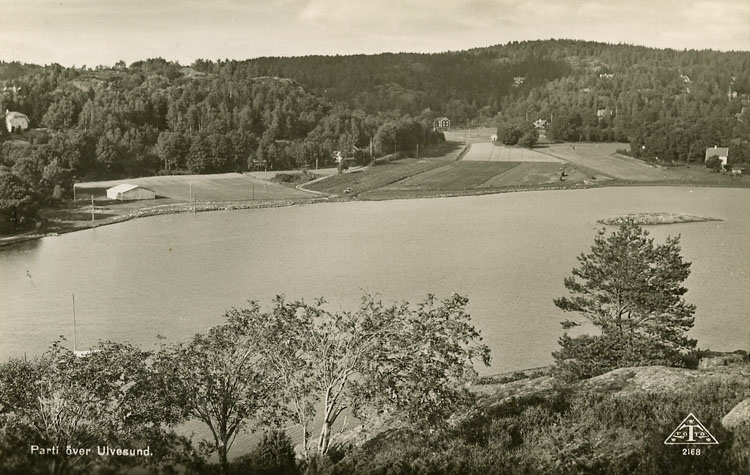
[[691, 451]]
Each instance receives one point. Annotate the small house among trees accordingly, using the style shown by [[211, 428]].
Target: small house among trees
[[16, 121], [442, 123], [721, 152]]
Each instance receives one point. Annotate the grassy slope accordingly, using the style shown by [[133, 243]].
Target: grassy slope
[[454, 176], [602, 158]]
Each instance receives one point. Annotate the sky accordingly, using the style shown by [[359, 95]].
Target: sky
[[102, 32]]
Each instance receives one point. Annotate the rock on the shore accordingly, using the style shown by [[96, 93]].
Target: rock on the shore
[[738, 416], [723, 360]]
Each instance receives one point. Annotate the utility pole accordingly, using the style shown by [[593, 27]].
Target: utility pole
[[74, 322], [417, 150], [93, 222]]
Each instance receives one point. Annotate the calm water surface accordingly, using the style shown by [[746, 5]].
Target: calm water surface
[[176, 275]]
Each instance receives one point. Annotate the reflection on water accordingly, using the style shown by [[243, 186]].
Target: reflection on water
[[176, 275]]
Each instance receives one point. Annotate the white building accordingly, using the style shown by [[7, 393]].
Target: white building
[[127, 192], [721, 152], [16, 121]]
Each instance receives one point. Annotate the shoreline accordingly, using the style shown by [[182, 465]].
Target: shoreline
[[158, 210], [178, 208]]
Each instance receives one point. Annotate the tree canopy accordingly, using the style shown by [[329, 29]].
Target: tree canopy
[[104, 399], [18, 202], [630, 289], [380, 358]]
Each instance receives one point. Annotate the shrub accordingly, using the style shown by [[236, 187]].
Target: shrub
[[274, 455], [714, 163], [529, 139]]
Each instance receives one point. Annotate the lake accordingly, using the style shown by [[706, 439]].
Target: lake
[[509, 253]]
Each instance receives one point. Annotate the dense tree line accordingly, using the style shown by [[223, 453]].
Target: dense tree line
[[157, 117]]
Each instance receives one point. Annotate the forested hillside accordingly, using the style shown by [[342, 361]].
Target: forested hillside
[[155, 116], [673, 103]]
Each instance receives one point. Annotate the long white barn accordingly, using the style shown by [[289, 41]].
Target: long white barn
[[127, 192]]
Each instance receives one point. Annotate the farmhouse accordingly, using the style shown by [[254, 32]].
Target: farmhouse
[[442, 123], [721, 152], [127, 192], [16, 121]]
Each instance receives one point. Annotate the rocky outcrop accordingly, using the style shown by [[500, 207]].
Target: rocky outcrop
[[721, 360], [644, 219], [662, 378], [738, 416], [494, 391]]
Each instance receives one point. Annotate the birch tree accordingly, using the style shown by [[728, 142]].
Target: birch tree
[[377, 359]]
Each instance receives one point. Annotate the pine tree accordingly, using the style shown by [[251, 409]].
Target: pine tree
[[631, 289]]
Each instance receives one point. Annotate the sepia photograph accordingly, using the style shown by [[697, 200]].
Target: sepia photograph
[[329, 237]]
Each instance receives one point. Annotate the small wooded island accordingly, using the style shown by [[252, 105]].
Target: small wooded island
[[645, 219]]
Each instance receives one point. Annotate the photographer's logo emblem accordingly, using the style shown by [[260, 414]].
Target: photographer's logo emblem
[[690, 431]]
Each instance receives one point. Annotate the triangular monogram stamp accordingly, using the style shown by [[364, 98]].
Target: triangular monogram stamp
[[691, 431]]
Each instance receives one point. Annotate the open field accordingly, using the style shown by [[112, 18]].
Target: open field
[[222, 187], [459, 175], [491, 152], [535, 173], [487, 168], [379, 176], [601, 157], [272, 174], [479, 134]]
